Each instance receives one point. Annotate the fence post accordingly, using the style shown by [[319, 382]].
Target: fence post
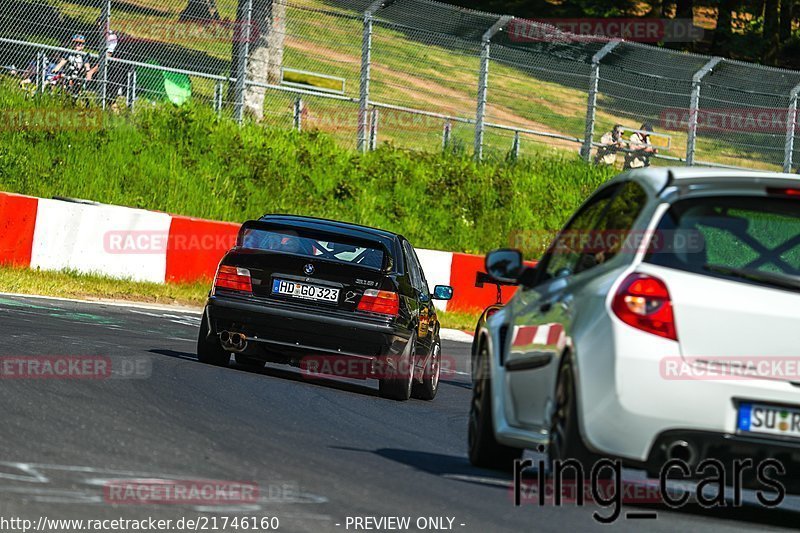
[[244, 54], [131, 88], [591, 106], [694, 106], [366, 66], [105, 25], [515, 147], [40, 70], [447, 131], [298, 114], [483, 83], [373, 129], [218, 88], [791, 120]]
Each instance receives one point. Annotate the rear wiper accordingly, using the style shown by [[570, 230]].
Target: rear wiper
[[785, 281]]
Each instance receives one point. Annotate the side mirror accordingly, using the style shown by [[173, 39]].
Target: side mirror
[[442, 292], [505, 265]]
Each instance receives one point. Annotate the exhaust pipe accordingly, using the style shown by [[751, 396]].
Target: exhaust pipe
[[234, 342], [682, 451]]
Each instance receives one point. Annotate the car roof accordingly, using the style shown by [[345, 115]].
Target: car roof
[[657, 178], [347, 228]]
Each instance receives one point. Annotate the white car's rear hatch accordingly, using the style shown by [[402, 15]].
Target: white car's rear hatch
[[733, 277]]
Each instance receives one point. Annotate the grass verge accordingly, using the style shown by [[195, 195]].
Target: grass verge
[[68, 284]]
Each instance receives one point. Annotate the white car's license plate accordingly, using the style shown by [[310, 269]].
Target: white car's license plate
[[769, 419], [304, 291]]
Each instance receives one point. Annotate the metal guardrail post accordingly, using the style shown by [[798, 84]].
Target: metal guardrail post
[[373, 129], [591, 106], [103, 60], [694, 106], [791, 121], [447, 132], [244, 54], [483, 83], [298, 114], [366, 72]]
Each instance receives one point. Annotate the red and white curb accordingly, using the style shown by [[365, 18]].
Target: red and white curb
[[140, 245]]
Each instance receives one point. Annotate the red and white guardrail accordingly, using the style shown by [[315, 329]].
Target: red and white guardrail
[[123, 242]]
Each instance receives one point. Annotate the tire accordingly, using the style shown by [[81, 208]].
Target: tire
[[430, 379], [484, 450], [250, 363], [210, 351], [398, 385], [565, 437]]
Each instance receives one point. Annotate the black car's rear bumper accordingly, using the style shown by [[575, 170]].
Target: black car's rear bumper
[[285, 327]]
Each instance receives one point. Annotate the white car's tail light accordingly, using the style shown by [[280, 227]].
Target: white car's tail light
[[643, 302]]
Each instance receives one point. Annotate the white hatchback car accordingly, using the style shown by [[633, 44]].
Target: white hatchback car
[[643, 331]]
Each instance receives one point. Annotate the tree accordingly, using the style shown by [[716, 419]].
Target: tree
[[771, 35], [723, 34], [786, 20], [265, 53]]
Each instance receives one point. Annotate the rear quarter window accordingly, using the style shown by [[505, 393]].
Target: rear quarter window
[[731, 237]]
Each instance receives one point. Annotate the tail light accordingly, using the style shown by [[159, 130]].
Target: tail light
[[234, 278], [779, 191], [643, 302], [383, 302]]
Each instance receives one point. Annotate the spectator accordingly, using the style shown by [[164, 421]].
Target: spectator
[[75, 63], [111, 43], [640, 148], [610, 143]]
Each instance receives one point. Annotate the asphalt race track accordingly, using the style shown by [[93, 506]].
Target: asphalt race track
[[320, 450]]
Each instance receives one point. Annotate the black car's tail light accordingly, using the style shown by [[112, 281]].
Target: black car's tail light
[[233, 278], [382, 302]]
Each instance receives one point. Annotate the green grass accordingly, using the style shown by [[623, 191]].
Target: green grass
[[189, 161], [69, 284]]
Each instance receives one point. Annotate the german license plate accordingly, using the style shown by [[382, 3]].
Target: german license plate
[[769, 419], [304, 291]]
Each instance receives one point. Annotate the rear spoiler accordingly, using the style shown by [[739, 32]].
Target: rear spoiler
[[316, 234]]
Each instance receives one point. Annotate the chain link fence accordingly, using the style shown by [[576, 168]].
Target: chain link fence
[[416, 73]]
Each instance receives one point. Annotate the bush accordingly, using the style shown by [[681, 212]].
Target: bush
[[188, 161]]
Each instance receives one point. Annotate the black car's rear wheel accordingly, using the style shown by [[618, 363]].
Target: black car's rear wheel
[[398, 381], [430, 379], [484, 450], [209, 350]]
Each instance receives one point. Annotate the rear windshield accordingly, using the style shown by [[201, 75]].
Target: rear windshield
[[293, 243], [749, 239]]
